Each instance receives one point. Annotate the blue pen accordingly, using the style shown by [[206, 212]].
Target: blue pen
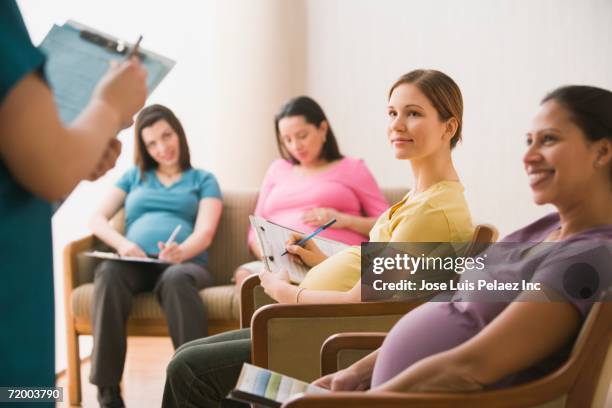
[[313, 234]]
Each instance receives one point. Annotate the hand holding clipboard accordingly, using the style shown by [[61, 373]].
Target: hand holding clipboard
[[79, 57]]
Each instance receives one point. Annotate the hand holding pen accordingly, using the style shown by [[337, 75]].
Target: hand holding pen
[[170, 250], [313, 234], [304, 249], [123, 88]]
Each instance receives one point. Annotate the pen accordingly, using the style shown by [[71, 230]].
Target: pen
[[134, 51], [314, 233], [173, 235]]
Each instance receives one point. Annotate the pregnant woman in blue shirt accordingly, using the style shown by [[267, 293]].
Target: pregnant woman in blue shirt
[[160, 193]]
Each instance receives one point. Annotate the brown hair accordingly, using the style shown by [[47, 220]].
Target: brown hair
[[442, 92], [312, 113], [148, 117]]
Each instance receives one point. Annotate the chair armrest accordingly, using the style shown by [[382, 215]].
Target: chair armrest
[[570, 385], [70, 261], [481, 399], [343, 341], [247, 302], [252, 297], [288, 338]]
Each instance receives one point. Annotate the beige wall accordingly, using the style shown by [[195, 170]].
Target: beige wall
[[259, 62], [237, 61], [504, 54]]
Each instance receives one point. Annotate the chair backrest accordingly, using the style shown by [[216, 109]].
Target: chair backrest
[[484, 235], [586, 361], [229, 247], [394, 194]]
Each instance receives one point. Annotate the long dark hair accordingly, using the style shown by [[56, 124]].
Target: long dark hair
[[312, 113], [443, 93], [590, 108], [148, 117]]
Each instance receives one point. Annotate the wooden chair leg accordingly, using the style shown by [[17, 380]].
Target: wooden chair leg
[[74, 366]]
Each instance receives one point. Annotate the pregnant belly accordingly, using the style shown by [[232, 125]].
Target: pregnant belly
[[427, 330]]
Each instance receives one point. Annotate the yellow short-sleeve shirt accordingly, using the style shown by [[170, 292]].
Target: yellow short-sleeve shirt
[[438, 214]]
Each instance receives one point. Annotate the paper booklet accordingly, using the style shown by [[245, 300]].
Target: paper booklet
[[116, 257], [272, 238], [267, 388]]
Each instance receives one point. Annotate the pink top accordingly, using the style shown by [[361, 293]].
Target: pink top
[[348, 187]]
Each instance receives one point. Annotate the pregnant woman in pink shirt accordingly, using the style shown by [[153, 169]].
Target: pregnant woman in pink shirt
[[314, 183]]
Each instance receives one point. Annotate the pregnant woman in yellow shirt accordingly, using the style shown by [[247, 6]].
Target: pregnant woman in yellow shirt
[[425, 115]]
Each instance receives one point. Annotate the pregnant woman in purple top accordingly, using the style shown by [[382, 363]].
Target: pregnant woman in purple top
[[468, 345]]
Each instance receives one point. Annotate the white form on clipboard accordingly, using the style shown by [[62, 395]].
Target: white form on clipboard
[[272, 237]]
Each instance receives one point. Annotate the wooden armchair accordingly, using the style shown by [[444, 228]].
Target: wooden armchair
[[288, 338], [146, 319], [583, 381], [252, 295]]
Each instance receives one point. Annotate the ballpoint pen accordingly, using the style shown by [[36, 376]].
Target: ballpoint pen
[[134, 51], [173, 235], [314, 233]]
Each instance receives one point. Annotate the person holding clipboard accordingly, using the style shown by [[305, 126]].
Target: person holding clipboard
[[41, 161], [172, 211]]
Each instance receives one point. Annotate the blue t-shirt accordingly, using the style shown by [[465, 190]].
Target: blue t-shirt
[[152, 210], [27, 337]]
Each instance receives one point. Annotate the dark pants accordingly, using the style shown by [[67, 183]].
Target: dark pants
[[204, 371], [115, 284]]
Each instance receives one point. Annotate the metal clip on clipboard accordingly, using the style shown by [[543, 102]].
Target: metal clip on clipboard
[[116, 46]]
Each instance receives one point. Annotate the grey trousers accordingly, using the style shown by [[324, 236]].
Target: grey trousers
[[115, 284], [204, 371]]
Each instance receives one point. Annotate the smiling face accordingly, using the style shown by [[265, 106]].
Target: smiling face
[[162, 143], [302, 140], [560, 159], [415, 129]]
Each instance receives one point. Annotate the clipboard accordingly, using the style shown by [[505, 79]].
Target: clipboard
[[272, 237], [116, 257], [78, 56]]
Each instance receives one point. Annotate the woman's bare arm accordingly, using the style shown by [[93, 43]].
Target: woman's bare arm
[[48, 158], [207, 220], [278, 288], [101, 227]]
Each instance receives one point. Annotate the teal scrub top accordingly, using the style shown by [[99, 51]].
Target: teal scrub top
[[27, 338]]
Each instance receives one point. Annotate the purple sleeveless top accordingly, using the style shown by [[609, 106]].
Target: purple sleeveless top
[[439, 326]]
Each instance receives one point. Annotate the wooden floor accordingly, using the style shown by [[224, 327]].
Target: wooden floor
[[143, 378]]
